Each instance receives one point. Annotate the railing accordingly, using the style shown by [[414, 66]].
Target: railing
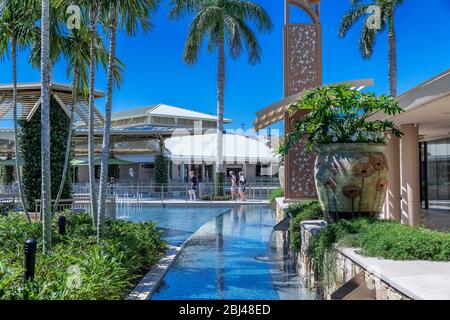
[[257, 191], [9, 189], [75, 205]]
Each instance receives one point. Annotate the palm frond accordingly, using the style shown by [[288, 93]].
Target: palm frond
[[357, 11], [367, 42], [251, 43], [252, 12], [182, 8]]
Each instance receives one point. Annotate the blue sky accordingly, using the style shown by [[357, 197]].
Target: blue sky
[[155, 71]]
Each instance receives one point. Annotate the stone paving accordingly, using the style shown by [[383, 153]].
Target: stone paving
[[420, 280]]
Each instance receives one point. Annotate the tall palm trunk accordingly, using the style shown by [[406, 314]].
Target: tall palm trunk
[[16, 130], [220, 104], [91, 139], [69, 140], [392, 57], [107, 125], [45, 128]]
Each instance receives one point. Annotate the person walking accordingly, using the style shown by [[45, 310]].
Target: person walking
[[234, 186], [242, 185], [193, 186]]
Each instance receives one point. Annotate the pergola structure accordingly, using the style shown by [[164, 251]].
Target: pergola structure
[[302, 71], [29, 101]]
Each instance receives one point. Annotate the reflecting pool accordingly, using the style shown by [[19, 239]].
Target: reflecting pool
[[231, 256]]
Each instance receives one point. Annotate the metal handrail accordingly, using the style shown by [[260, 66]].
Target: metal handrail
[[175, 191]]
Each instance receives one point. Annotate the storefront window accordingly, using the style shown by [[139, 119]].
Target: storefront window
[[435, 174]]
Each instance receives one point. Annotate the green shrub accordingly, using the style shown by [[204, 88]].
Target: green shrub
[[216, 198], [30, 154], [302, 211], [6, 207], [161, 169], [7, 174], [277, 193], [218, 184], [379, 238], [107, 270]]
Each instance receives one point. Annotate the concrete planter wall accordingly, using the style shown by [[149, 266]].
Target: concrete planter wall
[[351, 179], [281, 176]]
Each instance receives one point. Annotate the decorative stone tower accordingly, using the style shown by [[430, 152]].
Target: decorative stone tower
[[302, 71]]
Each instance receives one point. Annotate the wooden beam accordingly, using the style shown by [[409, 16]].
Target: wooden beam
[[35, 107], [61, 103], [274, 112]]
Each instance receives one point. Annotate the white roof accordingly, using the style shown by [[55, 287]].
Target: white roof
[[236, 148], [164, 110]]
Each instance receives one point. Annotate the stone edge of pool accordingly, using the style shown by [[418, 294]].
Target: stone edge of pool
[[148, 285]]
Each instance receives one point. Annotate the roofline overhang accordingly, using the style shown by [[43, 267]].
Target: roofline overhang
[[275, 111], [37, 86], [226, 120], [431, 84]]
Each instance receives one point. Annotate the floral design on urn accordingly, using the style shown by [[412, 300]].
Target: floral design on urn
[[349, 182]]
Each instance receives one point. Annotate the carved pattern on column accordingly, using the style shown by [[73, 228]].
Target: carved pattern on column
[[303, 57], [300, 183], [303, 70]]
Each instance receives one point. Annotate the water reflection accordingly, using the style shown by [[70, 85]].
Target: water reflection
[[221, 261]]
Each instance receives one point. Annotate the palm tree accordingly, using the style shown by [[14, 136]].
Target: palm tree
[[17, 27], [367, 39], [45, 127], [93, 9], [76, 49], [128, 15], [224, 23]]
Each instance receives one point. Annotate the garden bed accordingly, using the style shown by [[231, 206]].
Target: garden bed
[[77, 267], [324, 267]]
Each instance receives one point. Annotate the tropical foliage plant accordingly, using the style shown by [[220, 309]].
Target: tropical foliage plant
[[339, 114], [378, 238], [302, 211], [274, 194], [78, 267]]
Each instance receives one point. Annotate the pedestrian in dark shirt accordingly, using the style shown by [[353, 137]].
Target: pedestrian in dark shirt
[[193, 186]]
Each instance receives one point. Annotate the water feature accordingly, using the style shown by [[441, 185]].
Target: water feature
[[231, 255], [178, 223]]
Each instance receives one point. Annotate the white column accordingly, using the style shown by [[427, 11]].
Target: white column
[[410, 174], [182, 172], [392, 206]]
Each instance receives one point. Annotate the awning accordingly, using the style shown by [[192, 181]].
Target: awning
[[98, 161], [275, 112]]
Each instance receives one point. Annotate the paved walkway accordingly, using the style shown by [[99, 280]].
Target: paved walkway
[[420, 280]]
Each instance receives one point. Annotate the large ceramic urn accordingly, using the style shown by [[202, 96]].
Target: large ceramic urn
[[351, 179]]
